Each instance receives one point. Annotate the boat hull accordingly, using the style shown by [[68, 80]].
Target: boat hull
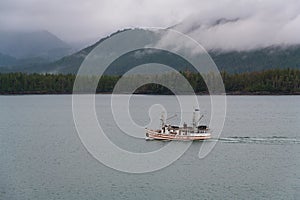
[[152, 134]]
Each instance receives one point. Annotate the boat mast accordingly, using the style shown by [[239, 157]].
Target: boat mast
[[162, 119], [195, 122]]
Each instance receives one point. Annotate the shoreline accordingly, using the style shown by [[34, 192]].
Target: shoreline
[[239, 93]]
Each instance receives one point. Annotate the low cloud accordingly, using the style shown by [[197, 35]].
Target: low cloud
[[216, 24]]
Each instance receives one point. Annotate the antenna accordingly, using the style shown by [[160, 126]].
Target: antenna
[[200, 118]]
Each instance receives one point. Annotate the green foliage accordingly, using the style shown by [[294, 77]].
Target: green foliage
[[274, 81]]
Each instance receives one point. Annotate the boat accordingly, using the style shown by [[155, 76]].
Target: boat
[[184, 133]]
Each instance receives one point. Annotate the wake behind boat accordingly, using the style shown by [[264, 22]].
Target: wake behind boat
[[185, 132]]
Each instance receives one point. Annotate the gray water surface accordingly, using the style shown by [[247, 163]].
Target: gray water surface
[[256, 156]]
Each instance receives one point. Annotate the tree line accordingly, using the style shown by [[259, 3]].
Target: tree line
[[274, 81]]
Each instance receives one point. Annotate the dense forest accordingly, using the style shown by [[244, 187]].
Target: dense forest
[[275, 81]]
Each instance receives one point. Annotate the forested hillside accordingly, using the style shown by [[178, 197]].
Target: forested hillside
[[275, 81], [259, 59]]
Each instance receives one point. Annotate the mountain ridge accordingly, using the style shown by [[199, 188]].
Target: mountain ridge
[[285, 56], [31, 44]]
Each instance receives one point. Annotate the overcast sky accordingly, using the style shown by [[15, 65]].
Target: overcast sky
[[249, 24]]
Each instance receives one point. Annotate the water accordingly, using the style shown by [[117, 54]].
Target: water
[[256, 156]]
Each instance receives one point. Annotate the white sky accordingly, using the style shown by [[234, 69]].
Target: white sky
[[261, 22]]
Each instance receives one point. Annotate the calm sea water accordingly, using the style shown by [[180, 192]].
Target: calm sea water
[[256, 157]]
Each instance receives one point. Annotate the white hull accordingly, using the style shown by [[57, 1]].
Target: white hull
[[152, 134]]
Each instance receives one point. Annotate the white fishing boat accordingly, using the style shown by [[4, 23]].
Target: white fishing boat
[[185, 132]]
